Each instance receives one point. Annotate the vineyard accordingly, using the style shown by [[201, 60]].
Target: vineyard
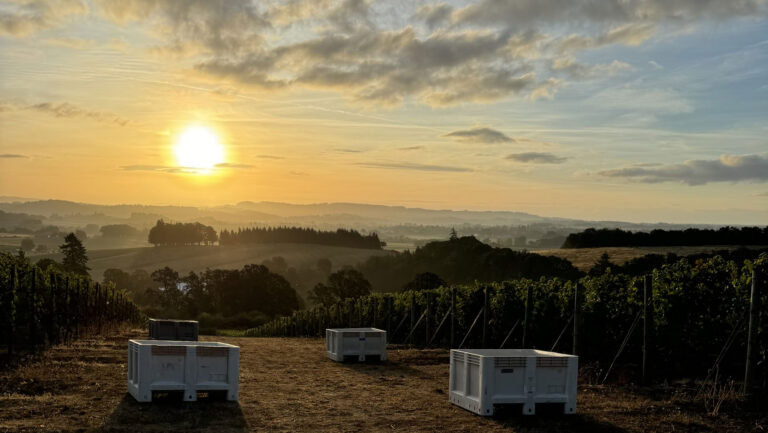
[[43, 307], [693, 318]]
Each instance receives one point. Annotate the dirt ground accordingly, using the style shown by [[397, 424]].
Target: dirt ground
[[288, 385]]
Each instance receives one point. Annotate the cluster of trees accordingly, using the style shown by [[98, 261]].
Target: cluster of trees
[[649, 262], [591, 238], [182, 234], [301, 235], [462, 260], [217, 297]]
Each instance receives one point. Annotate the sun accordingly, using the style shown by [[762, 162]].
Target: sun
[[198, 148]]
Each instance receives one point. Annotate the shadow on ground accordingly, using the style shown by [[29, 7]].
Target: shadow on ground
[[550, 418], [171, 414]]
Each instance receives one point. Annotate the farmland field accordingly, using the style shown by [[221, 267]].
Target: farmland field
[[197, 258], [289, 385]]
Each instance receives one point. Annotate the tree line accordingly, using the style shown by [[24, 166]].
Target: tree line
[[301, 235], [462, 260], [591, 238], [230, 298], [182, 234]]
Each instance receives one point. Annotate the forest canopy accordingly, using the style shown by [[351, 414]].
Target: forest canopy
[[591, 238], [301, 235]]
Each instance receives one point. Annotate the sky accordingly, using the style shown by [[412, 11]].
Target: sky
[[647, 111]]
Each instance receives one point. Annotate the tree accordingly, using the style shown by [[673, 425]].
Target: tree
[[323, 295], [601, 266], [75, 258], [454, 236], [343, 284], [424, 281], [27, 244]]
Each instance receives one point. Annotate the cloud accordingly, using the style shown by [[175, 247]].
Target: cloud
[[350, 150], [408, 148], [655, 65], [479, 135], [67, 110], [488, 51], [632, 34], [20, 18], [537, 158], [12, 155], [269, 157], [727, 168], [229, 27], [579, 71], [412, 166], [535, 13], [434, 15], [233, 165], [159, 169]]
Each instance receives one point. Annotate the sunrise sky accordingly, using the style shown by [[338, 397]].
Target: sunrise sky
[[651, 110]]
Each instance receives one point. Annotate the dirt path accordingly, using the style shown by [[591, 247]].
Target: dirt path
[[288, 385]]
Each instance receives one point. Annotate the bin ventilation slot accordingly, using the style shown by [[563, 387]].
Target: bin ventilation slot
[[509, 362], [552, 362], [169, 350], [473, 359], [213, 351]]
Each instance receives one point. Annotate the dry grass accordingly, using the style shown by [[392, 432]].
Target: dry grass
[[288, 385], [585, 258]]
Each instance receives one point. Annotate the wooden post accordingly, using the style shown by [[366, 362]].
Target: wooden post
[[426, 319], [576, 317], [390, 300], [453, 316], [647, 298], [750, 378], [413, 315], [485, 317], [527, 316]]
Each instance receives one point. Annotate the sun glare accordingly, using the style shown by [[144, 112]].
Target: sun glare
[[198, 149]]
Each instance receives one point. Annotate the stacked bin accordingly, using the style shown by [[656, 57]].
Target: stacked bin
[[178, 330]]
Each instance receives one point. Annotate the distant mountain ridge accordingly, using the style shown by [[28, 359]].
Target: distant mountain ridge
[[365, 216]]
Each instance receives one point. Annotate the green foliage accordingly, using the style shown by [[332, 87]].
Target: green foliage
[[695, 307], [342, 285], [44, 306], [75, 258], [461, 261], [182, 234]]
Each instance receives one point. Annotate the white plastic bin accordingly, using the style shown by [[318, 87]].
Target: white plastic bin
[[483, 378], [189, 366], [356, 344]]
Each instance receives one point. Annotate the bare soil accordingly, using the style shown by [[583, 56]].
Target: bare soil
[[289, 385]]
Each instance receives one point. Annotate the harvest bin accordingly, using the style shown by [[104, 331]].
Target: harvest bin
[[483, 378], [356, 344], [182, 330], [189, 366]]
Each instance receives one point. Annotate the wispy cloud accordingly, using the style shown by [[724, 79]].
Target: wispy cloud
[[159, 168], [234, 165], [537, 158], [25, 17], [407, 148], [412, 166], [727, 168], [479, 135], [64, 110], [12, 156], [269, 157]]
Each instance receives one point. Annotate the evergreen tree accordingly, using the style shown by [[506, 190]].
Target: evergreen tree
[[454, 236], [75, 258]]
